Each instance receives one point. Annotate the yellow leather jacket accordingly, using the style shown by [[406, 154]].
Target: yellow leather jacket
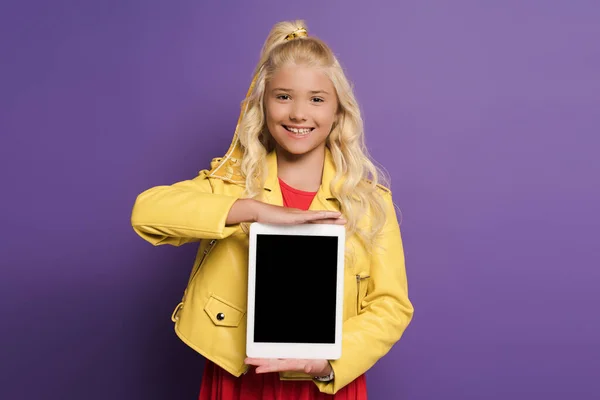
[[377, 309]]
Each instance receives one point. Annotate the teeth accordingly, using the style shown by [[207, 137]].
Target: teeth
[[303, 131]]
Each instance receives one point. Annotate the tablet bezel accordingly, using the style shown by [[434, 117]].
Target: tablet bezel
[[324, 351]]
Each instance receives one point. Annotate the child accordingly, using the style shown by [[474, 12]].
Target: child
[[297, 156]]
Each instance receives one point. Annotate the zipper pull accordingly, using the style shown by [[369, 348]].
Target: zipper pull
[[209, 247]]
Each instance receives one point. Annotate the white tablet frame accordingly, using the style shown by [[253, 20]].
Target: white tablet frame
[[322, 351]]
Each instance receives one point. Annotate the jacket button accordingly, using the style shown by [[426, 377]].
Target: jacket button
[[220, 316]]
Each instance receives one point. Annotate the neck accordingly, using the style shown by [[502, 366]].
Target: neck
[[302, 172]]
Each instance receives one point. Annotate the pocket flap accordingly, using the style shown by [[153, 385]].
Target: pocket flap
[[223, 313], [294, 376]]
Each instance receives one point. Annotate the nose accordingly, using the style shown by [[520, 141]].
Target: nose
[[297, 112]]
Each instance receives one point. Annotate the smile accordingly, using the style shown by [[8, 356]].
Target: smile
[[298, 131]]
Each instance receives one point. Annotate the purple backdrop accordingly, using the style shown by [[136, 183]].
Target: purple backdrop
[[485, 113]]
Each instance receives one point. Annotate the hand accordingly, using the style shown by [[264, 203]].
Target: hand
[[249, 210], [271, 214], [310, 367]]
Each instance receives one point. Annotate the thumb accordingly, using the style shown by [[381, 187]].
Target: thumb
[[308, 368]]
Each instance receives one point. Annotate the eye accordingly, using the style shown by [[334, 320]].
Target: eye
[[282, 97], [318, 99]]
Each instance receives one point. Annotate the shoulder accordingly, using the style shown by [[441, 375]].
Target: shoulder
[[384, 189], [380, 200], [221, 181], [381, 189]]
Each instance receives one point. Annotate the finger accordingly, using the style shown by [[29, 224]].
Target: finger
[[309, 368], [257, 362], [334, 221], [314, 215], [274, 365], [265, 362], [271, 366], [322, 219], [318, 367]]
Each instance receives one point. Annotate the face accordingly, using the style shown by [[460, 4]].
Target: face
[[301, 106]]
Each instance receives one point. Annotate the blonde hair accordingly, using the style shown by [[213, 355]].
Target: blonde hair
[[356, 178]]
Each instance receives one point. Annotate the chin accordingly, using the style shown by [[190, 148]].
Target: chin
[[296, 150]]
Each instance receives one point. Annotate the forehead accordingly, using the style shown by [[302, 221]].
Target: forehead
[[301, 78]]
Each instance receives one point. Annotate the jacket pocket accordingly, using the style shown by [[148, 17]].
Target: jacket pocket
[[223, 313], [361, 290]]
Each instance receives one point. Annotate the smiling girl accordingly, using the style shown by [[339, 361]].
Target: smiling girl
[[297, 156]]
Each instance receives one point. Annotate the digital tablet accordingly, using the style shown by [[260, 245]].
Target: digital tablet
[[295, 291]]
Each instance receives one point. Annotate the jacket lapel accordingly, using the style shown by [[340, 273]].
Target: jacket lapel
[[324, 200], [272, 190]]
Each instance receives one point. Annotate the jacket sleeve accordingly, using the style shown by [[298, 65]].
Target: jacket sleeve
[[385, 313], [184, 212]]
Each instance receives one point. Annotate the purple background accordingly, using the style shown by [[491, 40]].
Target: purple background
[[486, 114]]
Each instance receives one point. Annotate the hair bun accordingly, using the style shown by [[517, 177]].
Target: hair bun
[[300, 32]]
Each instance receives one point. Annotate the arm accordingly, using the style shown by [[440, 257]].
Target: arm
[[189, 210], [184, 212], [386, 310]]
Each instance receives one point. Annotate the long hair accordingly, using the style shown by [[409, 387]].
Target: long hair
[[356, 178]]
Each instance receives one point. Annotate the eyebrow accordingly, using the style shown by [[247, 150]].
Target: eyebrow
[[292, 90]]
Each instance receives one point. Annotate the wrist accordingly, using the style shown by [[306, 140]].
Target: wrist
[[328, 374], [243, 210], [253, 207]]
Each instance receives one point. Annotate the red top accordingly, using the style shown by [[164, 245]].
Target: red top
[[217, 384], [294, 198]]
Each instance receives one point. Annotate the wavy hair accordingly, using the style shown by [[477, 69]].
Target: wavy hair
[[356, 178]]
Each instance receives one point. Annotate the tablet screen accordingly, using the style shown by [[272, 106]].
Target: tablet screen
[[295, 299]]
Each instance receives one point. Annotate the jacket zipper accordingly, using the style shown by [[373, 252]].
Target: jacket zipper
[[208, 249], [358, 279]]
